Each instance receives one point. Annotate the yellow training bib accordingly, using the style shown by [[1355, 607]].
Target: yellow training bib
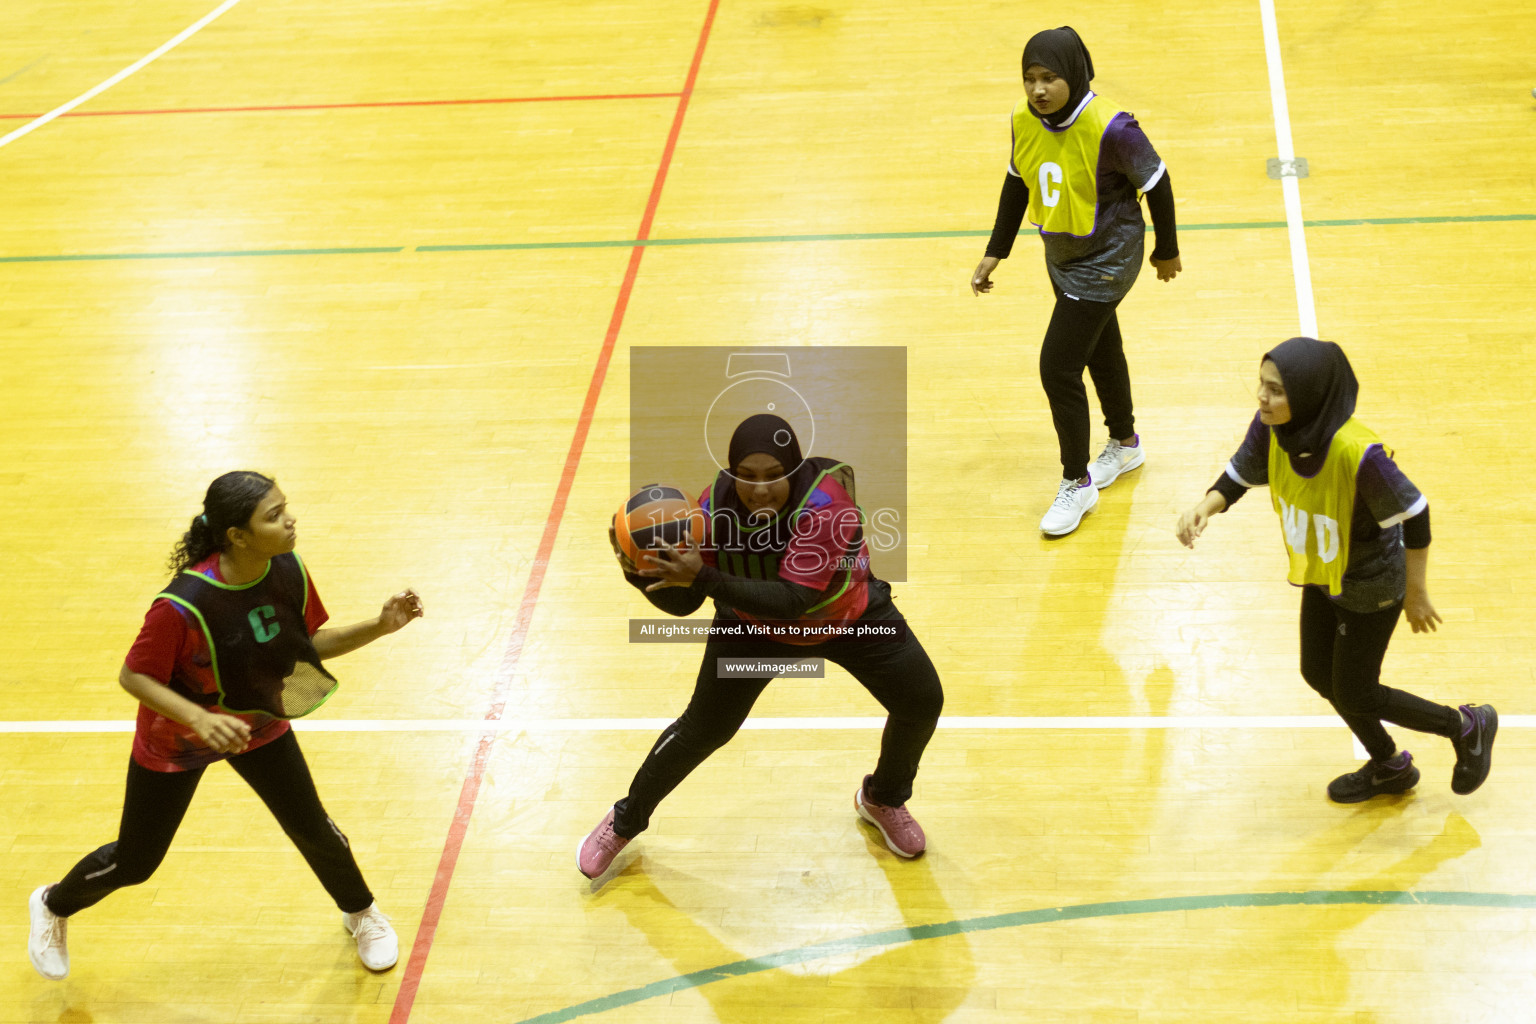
[[1315, 513], [1061, 167]]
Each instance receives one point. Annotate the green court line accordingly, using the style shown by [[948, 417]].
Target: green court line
[[863, 236], [1350, 222], [630, 243], [211, 254], [1018, 919], [877, 236]]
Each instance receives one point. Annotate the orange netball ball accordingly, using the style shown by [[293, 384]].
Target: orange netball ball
[[656, 514]]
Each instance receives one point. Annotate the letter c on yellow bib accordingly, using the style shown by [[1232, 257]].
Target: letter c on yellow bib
[[1050, 178]]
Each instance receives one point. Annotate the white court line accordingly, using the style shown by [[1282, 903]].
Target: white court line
[[1230, 723], [1290, 187], [89, 94]]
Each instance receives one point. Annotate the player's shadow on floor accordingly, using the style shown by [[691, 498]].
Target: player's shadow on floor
[[916, 982], [1312, 937]]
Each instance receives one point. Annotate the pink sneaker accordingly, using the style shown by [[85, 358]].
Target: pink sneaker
[[900, 830], [596, 852]]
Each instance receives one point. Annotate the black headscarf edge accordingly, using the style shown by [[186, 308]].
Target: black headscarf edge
[[756, 434], [1064, 52], [759, 435], [1321, 388]]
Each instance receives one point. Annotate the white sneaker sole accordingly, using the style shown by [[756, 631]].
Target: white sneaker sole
[[36, 897], [1062, 532], [580, 870], [601, 873], [1135, 463], [377, 968], [858, 803]]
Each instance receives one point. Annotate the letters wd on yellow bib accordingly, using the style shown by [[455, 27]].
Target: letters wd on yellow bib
[[262, 657], [1311, 509], [1341, 500]]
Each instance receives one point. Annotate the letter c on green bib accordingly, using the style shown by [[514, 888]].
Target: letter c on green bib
[[264, 623]]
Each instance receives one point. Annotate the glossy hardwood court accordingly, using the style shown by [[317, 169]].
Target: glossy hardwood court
[[390, 254]]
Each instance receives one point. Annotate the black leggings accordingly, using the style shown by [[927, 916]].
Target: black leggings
[[1084, 334], [897, 673], [157, 801], [1341, 653]]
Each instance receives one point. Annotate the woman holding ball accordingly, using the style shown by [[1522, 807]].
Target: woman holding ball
[[783, 552], [229, 651], [1357, 534]]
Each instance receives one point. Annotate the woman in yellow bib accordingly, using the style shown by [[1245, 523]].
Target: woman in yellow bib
[[1357, 534], [1076, 167]]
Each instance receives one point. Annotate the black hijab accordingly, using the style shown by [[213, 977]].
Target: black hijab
[[770, 435], [1321, 388], [1062, 50]]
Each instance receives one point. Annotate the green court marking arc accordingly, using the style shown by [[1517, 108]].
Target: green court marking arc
[[1021, 918], [630, 243]]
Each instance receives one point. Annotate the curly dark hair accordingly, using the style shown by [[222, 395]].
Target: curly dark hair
[[231, 501]]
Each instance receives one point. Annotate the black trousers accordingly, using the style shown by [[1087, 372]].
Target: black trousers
[[1341, 654], [157, 801], [897, 673], [1084, 334]]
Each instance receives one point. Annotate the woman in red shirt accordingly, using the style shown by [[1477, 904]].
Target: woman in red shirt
[[217, 676]]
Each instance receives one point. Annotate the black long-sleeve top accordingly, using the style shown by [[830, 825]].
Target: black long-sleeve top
[[778, 600], [1014, 200]]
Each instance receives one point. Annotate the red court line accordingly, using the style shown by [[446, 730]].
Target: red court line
[[432, 912], [351, 106]]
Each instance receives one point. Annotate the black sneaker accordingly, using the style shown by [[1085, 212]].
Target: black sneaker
[[1474, 748], [1375, 778]]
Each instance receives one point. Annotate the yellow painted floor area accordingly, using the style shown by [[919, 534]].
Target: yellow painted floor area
[[380, 251]]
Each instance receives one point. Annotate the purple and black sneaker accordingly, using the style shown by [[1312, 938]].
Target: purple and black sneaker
[[1375, 778], [1474, 747]]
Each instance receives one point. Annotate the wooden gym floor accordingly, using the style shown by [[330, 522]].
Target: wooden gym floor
[[388, 253]]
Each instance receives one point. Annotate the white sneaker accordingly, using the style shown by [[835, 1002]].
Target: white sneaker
[[377, 945], [1073, 501], [1115, 459], [46, 944]]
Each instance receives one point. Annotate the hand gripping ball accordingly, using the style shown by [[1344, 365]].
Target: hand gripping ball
[[654, 515]]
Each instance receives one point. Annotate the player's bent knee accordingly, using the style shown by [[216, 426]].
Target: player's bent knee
[[132, 872]]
